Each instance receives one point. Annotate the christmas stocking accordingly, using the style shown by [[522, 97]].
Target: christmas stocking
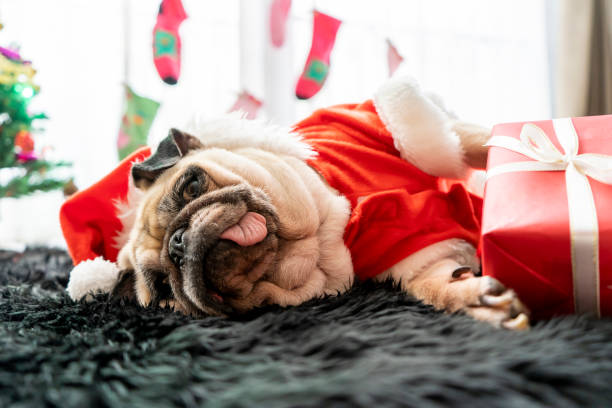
[[317, 64], [136, 122], [279, 10], [166, 40]]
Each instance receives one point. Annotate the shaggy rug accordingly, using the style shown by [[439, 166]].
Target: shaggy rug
[[372, 346]]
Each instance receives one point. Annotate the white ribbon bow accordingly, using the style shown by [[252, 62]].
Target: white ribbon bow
[[584, 232]]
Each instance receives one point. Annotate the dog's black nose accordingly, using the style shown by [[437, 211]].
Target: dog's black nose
[[176, 247]]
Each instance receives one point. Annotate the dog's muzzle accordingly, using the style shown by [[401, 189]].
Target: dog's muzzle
[[215, 242], [251, 229]]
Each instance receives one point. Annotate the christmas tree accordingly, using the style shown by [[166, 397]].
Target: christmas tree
[[23, 169]]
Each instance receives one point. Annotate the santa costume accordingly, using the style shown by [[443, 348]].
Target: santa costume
[[390, 157]]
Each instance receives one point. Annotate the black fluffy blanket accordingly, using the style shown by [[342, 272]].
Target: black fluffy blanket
[[370, 347]]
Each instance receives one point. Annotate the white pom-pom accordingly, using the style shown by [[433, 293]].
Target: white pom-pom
[[92, 276]]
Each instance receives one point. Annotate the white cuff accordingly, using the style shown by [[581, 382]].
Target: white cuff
[[420, 128]]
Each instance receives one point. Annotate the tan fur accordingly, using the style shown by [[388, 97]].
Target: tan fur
[[473, 139], [282, 181]]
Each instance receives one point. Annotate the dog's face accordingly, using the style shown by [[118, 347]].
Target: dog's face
[[214, 233]]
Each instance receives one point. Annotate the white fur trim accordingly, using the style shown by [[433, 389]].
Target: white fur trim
[[92, 276], [420, 128], [232, 131], [126, 211]]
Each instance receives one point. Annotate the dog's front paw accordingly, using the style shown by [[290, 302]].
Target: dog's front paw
[[449, 286], [498, 305]]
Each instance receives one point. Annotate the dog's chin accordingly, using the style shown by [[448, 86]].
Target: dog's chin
[[217, 278], [218, 248], [222, 282]]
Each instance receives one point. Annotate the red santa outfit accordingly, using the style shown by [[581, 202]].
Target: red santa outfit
[[389, 157], [397, 209]]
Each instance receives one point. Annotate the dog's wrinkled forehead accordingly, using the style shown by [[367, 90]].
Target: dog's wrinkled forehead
[[168, 153]]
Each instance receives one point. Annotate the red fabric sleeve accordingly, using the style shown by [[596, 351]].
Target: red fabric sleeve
[[397, 209], [388, 226]]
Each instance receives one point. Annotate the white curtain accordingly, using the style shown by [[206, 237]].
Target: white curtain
[[487, 60]]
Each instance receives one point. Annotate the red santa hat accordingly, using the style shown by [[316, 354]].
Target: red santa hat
[[92, 225]]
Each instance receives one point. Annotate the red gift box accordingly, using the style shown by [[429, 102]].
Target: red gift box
[[547, 219]]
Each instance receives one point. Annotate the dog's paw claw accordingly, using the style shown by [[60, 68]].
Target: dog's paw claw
[[498, 300], [499, 306], [520, 322], [492, 286], [460, 273]]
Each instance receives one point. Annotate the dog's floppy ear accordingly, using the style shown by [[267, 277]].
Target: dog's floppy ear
[[168, 153], [184, 141]]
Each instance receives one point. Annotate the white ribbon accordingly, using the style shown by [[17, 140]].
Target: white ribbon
[[584, 232]]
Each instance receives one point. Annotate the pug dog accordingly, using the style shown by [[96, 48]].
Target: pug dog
[[235, 214]]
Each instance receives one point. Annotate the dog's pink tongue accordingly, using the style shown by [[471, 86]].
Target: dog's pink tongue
[[250, 230]]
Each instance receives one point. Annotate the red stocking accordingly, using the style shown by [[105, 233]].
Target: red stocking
[[279, 10], [317, 64], [166, 40]]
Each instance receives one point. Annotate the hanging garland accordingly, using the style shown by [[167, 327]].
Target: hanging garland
[[324, 31], [167, 61]]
